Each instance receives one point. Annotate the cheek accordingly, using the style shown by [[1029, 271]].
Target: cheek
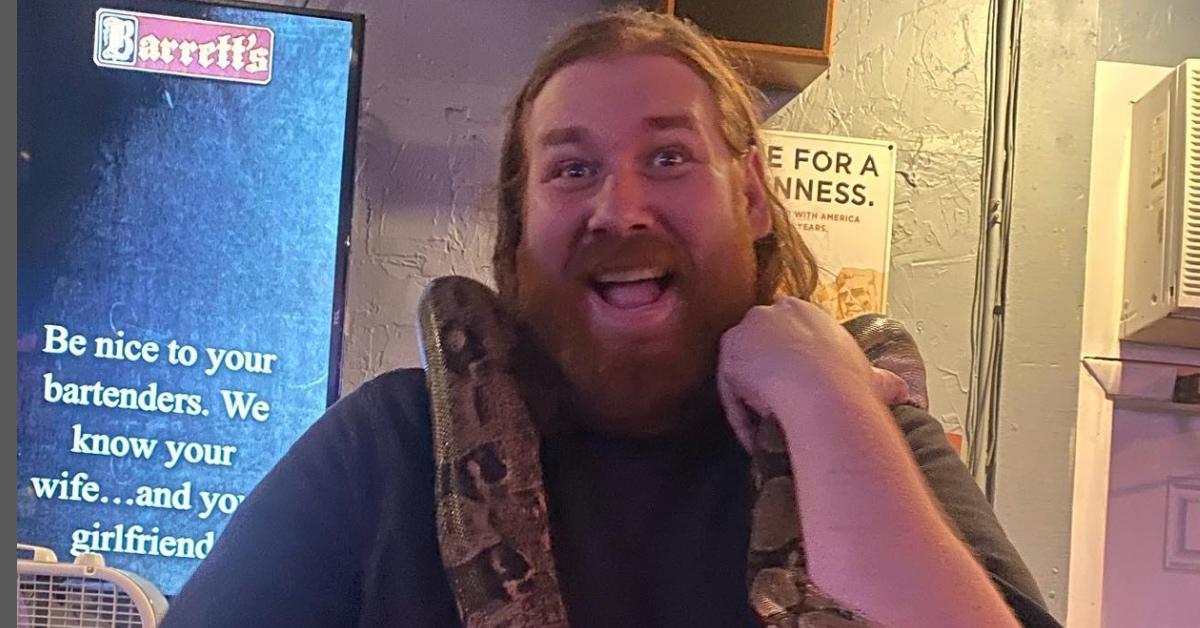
[[546, 236], [707, 220]]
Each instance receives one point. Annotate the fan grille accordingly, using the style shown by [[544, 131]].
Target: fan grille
[[45, 601]]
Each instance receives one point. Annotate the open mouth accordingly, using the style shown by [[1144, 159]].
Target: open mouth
[[634, 288]]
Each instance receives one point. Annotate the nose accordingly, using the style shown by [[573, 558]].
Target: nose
[[622, 203]]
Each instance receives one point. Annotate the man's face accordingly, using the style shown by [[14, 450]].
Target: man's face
[[637, 247]]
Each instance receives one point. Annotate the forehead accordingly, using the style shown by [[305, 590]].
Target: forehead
[[619, 94]]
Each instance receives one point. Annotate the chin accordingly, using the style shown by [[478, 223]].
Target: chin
[[635, 333], [641, 387]]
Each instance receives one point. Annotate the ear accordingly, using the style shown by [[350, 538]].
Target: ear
[[754, 184]]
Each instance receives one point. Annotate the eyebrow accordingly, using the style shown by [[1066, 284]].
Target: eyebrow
[[660, 123], [565, 135], [580, 135]]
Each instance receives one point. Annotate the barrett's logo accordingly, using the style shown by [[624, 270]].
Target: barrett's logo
[[182, 46]]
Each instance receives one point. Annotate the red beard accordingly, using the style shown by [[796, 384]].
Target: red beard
[[639, 385]]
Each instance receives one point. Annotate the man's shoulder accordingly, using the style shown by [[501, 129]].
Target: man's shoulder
[[397, 398], [398, 383], [353, 495], [385, 419]]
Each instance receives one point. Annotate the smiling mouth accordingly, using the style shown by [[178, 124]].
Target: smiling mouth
[[633, 288]]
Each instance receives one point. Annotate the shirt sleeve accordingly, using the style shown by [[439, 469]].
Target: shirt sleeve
[[294, 553], [971, 515]]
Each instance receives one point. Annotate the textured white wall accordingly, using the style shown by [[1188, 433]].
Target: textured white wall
[[912, 72], [437, 80]]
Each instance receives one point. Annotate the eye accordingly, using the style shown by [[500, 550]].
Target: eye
[[669, 157], [572, 170]]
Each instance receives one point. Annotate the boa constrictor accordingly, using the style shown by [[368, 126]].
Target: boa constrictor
[[492, 522]]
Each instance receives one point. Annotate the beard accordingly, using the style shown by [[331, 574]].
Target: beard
[[638, 384]]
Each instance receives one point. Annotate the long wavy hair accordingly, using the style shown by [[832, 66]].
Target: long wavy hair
[[785, 265]]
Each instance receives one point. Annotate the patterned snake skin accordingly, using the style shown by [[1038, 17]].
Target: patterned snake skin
[[493, 528]]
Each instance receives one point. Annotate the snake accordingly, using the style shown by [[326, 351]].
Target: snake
[[493, 529]]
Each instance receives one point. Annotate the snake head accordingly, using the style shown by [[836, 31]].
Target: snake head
[[890, 347]]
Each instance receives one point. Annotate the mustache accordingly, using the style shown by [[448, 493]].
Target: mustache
[[613, 253]]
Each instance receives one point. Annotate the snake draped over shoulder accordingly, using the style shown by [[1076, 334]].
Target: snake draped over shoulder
[[492, 522]]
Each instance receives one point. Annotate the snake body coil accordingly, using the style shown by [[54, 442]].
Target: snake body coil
[[492, 522]]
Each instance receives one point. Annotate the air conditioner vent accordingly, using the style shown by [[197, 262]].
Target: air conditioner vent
[[1189, 271]]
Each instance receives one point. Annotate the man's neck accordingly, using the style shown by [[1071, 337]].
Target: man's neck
[[697, 418]]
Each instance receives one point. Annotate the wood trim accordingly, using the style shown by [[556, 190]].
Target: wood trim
[[783, 52], [829, 28]]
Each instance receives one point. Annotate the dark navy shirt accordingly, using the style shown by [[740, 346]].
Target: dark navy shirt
[[645, 532]]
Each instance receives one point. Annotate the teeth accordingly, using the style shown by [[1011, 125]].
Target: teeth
[[626, 276]]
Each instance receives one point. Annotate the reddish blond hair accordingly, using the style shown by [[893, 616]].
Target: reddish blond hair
[[785, 264]]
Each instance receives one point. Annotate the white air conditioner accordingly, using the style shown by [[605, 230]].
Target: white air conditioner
[[1162, 247]]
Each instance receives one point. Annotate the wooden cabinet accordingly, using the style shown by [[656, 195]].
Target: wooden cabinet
[[785, 43]]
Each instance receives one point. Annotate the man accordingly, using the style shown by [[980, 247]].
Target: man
[[639, 243]]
